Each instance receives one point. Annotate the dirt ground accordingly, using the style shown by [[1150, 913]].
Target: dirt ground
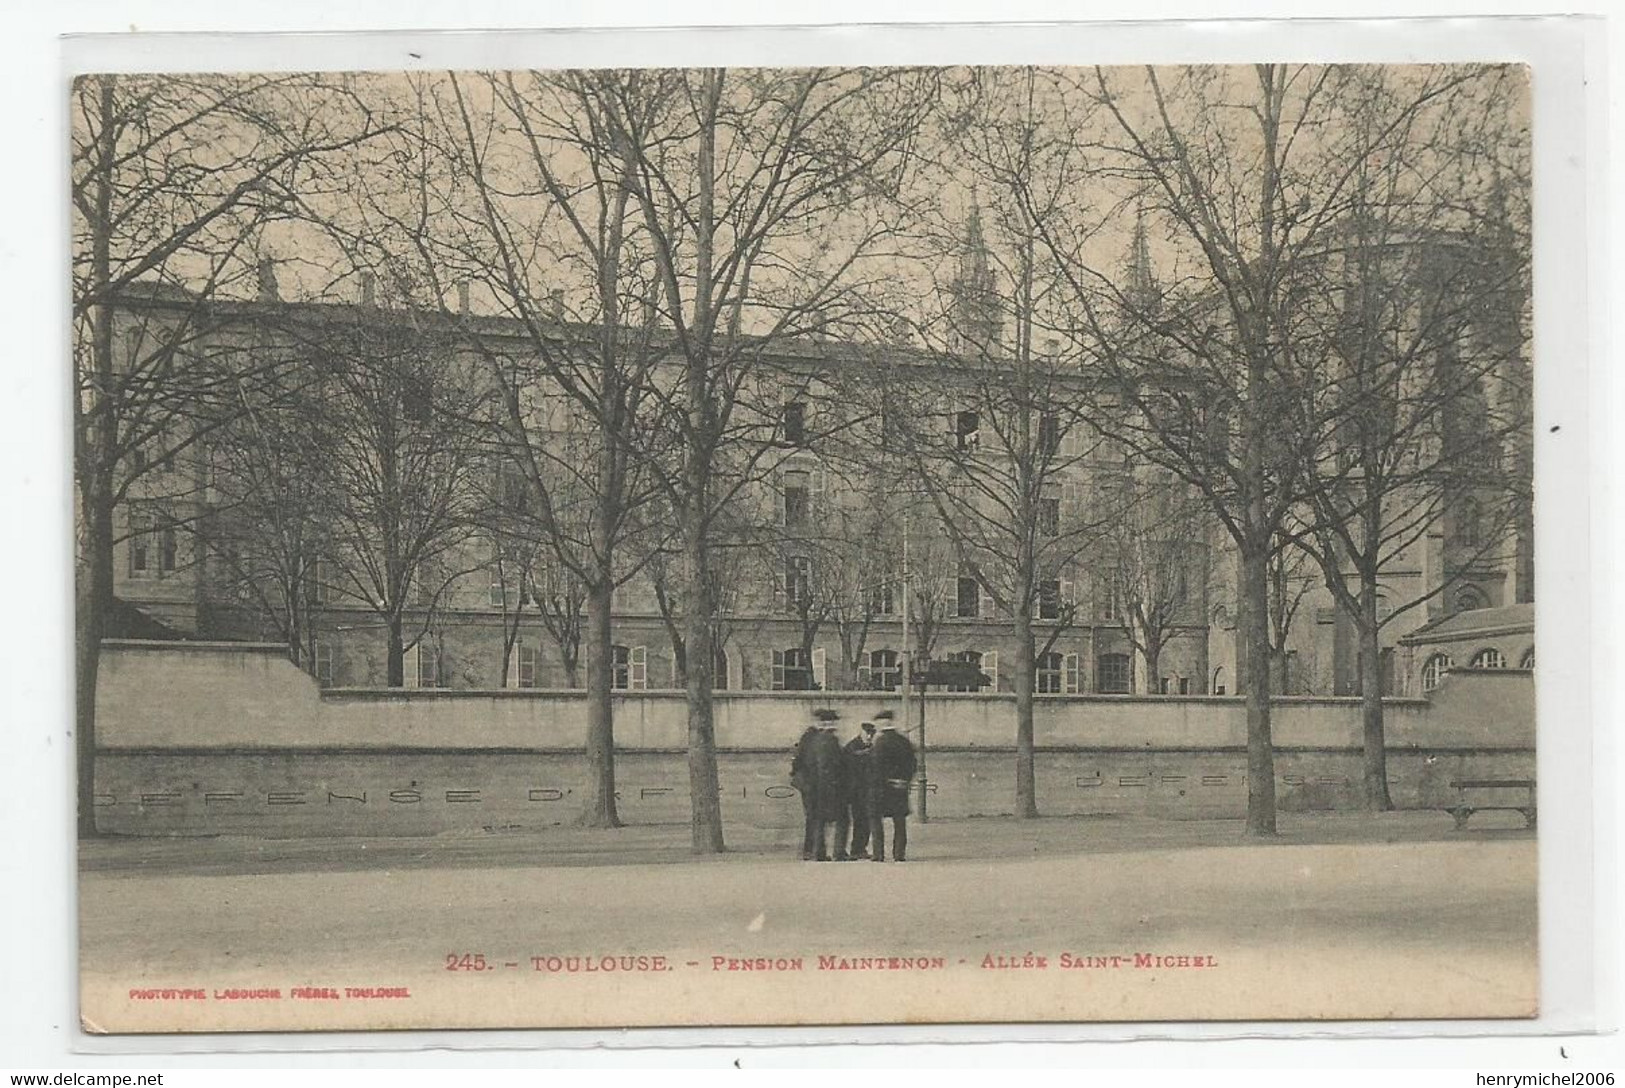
[[1079, 919]]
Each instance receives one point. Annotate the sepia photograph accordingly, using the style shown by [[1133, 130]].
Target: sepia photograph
[[679, 547]]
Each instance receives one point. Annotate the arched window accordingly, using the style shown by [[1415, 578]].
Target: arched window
[[1527, 661], [1489, 658], [1217, 685], [1112, 676], [1469, 598], [1051, 674], [1433, 670], [719, 669]]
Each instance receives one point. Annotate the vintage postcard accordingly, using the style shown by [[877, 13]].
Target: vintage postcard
[[789, 546]]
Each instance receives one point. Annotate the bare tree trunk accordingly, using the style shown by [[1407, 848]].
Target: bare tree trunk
[[1375, 746], [95, 605], [704, 792], [96, 456], [1280, 682], [1026, 785], [395, 666], [1256, 434], [598, 809], [1152, 653], [1260, 748]]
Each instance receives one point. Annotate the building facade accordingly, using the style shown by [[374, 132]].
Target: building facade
[[824, 544]]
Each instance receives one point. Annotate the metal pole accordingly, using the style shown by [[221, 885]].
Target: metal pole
[[906, 658], [924, 818]]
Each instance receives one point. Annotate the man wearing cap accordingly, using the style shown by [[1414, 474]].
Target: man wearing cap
[[815, 772], [891, 771], [854, 820]]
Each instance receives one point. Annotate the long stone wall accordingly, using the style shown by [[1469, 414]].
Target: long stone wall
[[228, 738]]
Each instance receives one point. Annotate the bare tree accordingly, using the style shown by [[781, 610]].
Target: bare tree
[[173, 180], [1419, 389], [561, 602], [757, 191], [858, 579], [265, 530], [1239, 176], [1004, 461], [397, 425], [1155, 558], [506, 198], [1291, 579]]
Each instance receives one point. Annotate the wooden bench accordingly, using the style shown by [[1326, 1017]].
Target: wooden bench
[[1462, 809]]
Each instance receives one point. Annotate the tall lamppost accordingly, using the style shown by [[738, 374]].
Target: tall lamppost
[[906, 658]]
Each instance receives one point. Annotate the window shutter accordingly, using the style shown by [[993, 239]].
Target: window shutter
[[1067, 591], [409, 667], [781, 588], [778, 670], [1073, 680], [638, 669], [984, 602], [818, 668], [819, 483], [990, 665]]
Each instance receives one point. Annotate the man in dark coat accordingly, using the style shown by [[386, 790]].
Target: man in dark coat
[[816, 773], [855, 817], [891, 772]]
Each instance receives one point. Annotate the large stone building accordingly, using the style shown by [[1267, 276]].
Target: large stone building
[[811, 584]]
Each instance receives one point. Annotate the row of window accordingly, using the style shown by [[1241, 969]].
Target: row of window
[[154, 552], [964, 430], [792, 669], [1434, 668]]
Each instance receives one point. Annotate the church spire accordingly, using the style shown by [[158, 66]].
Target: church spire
[[976, 322], [1142, 285]]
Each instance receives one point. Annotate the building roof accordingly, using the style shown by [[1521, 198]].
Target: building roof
[[125, 620], [1506, 620]]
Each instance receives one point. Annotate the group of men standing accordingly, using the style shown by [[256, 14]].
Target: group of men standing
[[853, 788]]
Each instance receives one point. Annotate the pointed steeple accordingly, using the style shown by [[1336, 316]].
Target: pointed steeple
[[977, 325], [1142, 284]]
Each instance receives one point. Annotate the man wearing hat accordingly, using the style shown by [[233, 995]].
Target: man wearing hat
[[816, 773], [855, 816], [891, 770]]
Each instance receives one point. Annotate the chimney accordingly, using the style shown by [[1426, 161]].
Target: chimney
[[462, 298], [368, 289], [267, 275], [555, 304]]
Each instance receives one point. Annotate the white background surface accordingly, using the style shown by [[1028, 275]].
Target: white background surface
[[1579, 653]]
